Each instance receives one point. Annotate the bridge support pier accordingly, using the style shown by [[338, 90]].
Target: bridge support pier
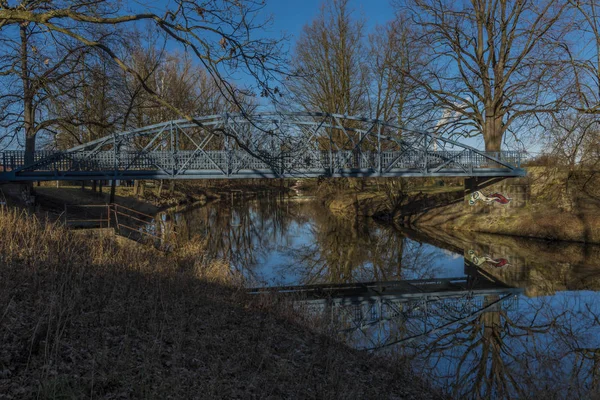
[[27, 193], [471, 185], [113, 188]]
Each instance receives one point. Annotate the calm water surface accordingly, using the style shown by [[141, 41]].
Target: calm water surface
[[479, 315]]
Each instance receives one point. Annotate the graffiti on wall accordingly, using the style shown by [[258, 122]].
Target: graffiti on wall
[[480, 260], [492, 198]]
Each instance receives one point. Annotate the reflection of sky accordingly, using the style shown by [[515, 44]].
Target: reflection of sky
[[547, 342], [539, 343], [270, 269], [440, 262], [274, 267]]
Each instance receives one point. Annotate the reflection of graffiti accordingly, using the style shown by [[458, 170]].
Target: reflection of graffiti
[[495, 262], [495, 197]]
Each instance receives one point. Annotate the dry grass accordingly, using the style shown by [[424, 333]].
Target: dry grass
[[85, 317]]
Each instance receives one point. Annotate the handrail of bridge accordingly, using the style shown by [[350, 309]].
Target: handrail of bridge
[[248, 148]]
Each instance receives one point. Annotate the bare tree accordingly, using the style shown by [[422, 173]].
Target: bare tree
[[584, 56], [576, 130], [392, 54], [32, 75], [492, 63], [330, 59], [92, 107], [219, 33]]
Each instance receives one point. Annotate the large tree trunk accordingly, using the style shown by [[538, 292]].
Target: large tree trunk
[[28, 114], [493, 133], [28, 109]]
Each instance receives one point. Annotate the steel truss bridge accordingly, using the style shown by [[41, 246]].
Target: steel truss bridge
[[263, 145]]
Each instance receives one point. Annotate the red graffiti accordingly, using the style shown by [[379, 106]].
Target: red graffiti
[[498, 198]]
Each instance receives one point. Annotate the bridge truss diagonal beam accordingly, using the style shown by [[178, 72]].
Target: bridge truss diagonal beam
[[263, 145]]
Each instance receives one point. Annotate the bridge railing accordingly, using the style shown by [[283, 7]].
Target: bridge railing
[[228, 161]]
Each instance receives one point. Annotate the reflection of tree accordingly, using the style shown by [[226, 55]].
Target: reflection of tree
[[480, 369], [542, 348], [548, 345], [247, 233], [357, 250], [242, 232]]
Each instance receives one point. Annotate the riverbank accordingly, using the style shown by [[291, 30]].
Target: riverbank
[[560, 206], [149, 197], [549, 224], [84, 317]]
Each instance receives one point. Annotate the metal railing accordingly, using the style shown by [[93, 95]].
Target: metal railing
[[227, 162], [126, 222]]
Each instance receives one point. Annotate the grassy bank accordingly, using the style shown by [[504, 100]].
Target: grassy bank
[[380, 198], [549, 224], [561, 205], [95, 317]]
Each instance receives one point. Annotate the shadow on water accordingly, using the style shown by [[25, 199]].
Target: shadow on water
[[480, 315]]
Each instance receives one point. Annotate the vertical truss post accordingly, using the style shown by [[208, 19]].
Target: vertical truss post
[[379, 155], [281, 162], [227, 154], [359, 145], [471, 159], [176, 150], [280, 152], [116, 152], [172, 139], [330, 151]]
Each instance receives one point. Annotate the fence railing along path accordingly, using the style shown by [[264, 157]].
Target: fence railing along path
[[125, 221]]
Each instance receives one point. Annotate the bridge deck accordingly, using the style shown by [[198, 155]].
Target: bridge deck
[[221, 164]]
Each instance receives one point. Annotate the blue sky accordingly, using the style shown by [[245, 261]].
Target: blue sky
[[290, 16]]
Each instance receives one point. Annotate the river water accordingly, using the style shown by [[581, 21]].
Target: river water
[[480, 316]]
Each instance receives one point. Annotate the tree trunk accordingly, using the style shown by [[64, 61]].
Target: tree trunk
[[28, 109], [94, 186], [493, 133]]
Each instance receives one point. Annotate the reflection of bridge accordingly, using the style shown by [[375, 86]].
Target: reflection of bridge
[[266, 145], [421, 305]]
